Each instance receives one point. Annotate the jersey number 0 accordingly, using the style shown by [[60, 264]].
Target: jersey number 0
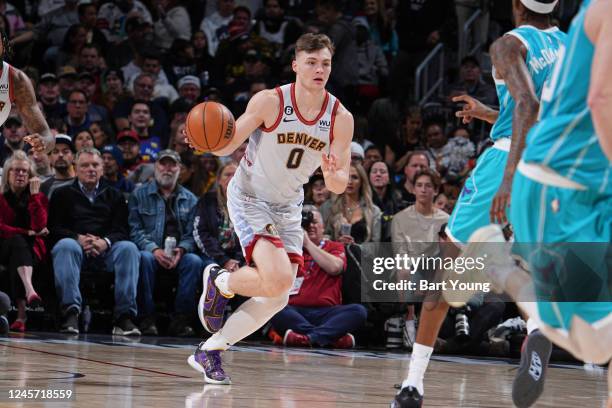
[[295, 158]]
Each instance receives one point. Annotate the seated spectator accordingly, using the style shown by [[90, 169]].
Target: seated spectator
[[87, 83], [5, 306], [159, 210], [180, 61], [88, 222], [372, 155], [435, 143], [88, 17], [62, 158], [66, 77], [112, 161], [357, 153], [315, 192], [415, 161], [49, 96], [83, 139], [173, 23], [385, 196], [70, 50], [23, 226], [13, 133], [215, 25], [444, 203], [189, 89], [152, 65], [133, 167], [77, 107], [42, 164], [140, 122], [407, 139], [213, 230], [111, 15], [203, 59], [112, 88], [101, 134], [352, 217], [315, 315], [470, 82]]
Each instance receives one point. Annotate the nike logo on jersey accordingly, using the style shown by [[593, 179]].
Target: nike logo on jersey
[[289, 120]]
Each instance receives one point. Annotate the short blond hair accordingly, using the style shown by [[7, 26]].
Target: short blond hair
[[310, 42]]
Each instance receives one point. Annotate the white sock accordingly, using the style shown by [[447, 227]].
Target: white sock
[[250, 316], [531, 326], [419, 360], [222, 282]]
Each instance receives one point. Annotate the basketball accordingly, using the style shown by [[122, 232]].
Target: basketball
[[210, 126]]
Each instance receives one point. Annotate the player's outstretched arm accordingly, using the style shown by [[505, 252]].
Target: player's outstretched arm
[[40, 136], [474, 109], [508, 56], [262, 109], [598, 27], [336, 165]]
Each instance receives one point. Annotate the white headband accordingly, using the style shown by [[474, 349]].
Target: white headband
[[539, 7]]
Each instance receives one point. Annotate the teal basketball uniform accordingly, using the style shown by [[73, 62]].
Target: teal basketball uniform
[[472, 209], [562, 193]]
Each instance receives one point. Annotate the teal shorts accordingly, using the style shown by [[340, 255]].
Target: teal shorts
[[473, 207], [563, 236]]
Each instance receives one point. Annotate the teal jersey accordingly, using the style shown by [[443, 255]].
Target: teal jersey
[[542, 50], [565, 140]]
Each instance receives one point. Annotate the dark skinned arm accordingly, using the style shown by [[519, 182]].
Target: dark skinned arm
[[508, 56], [40, 138]]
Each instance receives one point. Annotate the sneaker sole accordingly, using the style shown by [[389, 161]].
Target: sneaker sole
[[117, 331], [69, 330], [203, 298], [198, 367], [524, 392]]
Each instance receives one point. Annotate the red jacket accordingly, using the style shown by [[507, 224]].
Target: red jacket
[[37, 207]]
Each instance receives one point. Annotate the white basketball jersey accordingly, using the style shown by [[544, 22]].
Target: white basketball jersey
[[6, 92], [280, 159]]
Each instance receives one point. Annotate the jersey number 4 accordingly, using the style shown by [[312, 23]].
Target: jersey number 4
[[295, 158]]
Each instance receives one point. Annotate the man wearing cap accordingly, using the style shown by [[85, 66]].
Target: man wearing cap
[[158, 210], [88, 221], [357, 153], [112, 161], [12, 135], [190, 89], [133, 167], [62, 159], [471, 82], [49, 95], [67, 80]]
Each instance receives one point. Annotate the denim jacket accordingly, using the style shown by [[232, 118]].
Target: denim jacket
[[147, 217]]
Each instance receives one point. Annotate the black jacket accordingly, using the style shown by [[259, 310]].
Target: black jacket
[[208, 220], [71, 213]]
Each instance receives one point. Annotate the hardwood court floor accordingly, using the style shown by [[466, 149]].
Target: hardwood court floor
[[106, 371]]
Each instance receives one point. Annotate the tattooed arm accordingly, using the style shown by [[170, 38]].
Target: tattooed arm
[[508, 56], [40, 136]]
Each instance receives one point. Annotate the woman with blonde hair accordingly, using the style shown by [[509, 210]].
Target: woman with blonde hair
[[23, 224], [352, 217]]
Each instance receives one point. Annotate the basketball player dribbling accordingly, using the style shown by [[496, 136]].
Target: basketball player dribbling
[[293, 130], [522, 61]]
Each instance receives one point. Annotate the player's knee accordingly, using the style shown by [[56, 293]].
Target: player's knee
[[280, 282], [278, 303]]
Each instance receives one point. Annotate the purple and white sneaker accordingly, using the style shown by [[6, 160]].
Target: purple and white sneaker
[[212, 303], [208, 362]]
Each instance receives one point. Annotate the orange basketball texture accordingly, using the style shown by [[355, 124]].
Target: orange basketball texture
[[210, 126]]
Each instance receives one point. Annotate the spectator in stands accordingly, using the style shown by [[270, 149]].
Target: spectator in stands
[[66, 77], [112, 161], [372, 155], [215, 25], [443, 203], [12, 134], [352, 217], [357, 153], [23, 226], [415, 162], [133, 168], [274, 26], [407, 139], [70, 50], [189, 89], [344, 77], [112, 17], [140, 122], [62, 158], [49, 96], [173, 23], [112, 88], [381, 27], [42, 164], [158, 210], [101, 134], [315, 315], [77, 118], [204, 61], [470, 82], [139, 35], [371, 65], [385, 196], [213, 230], [86, 82], [180, 61], [315, 192], [83, 139], [91, 61], [144, 85], [88, 17], [88, 221]]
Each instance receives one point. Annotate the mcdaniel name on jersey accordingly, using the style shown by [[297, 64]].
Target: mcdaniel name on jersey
[[301, 139]]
